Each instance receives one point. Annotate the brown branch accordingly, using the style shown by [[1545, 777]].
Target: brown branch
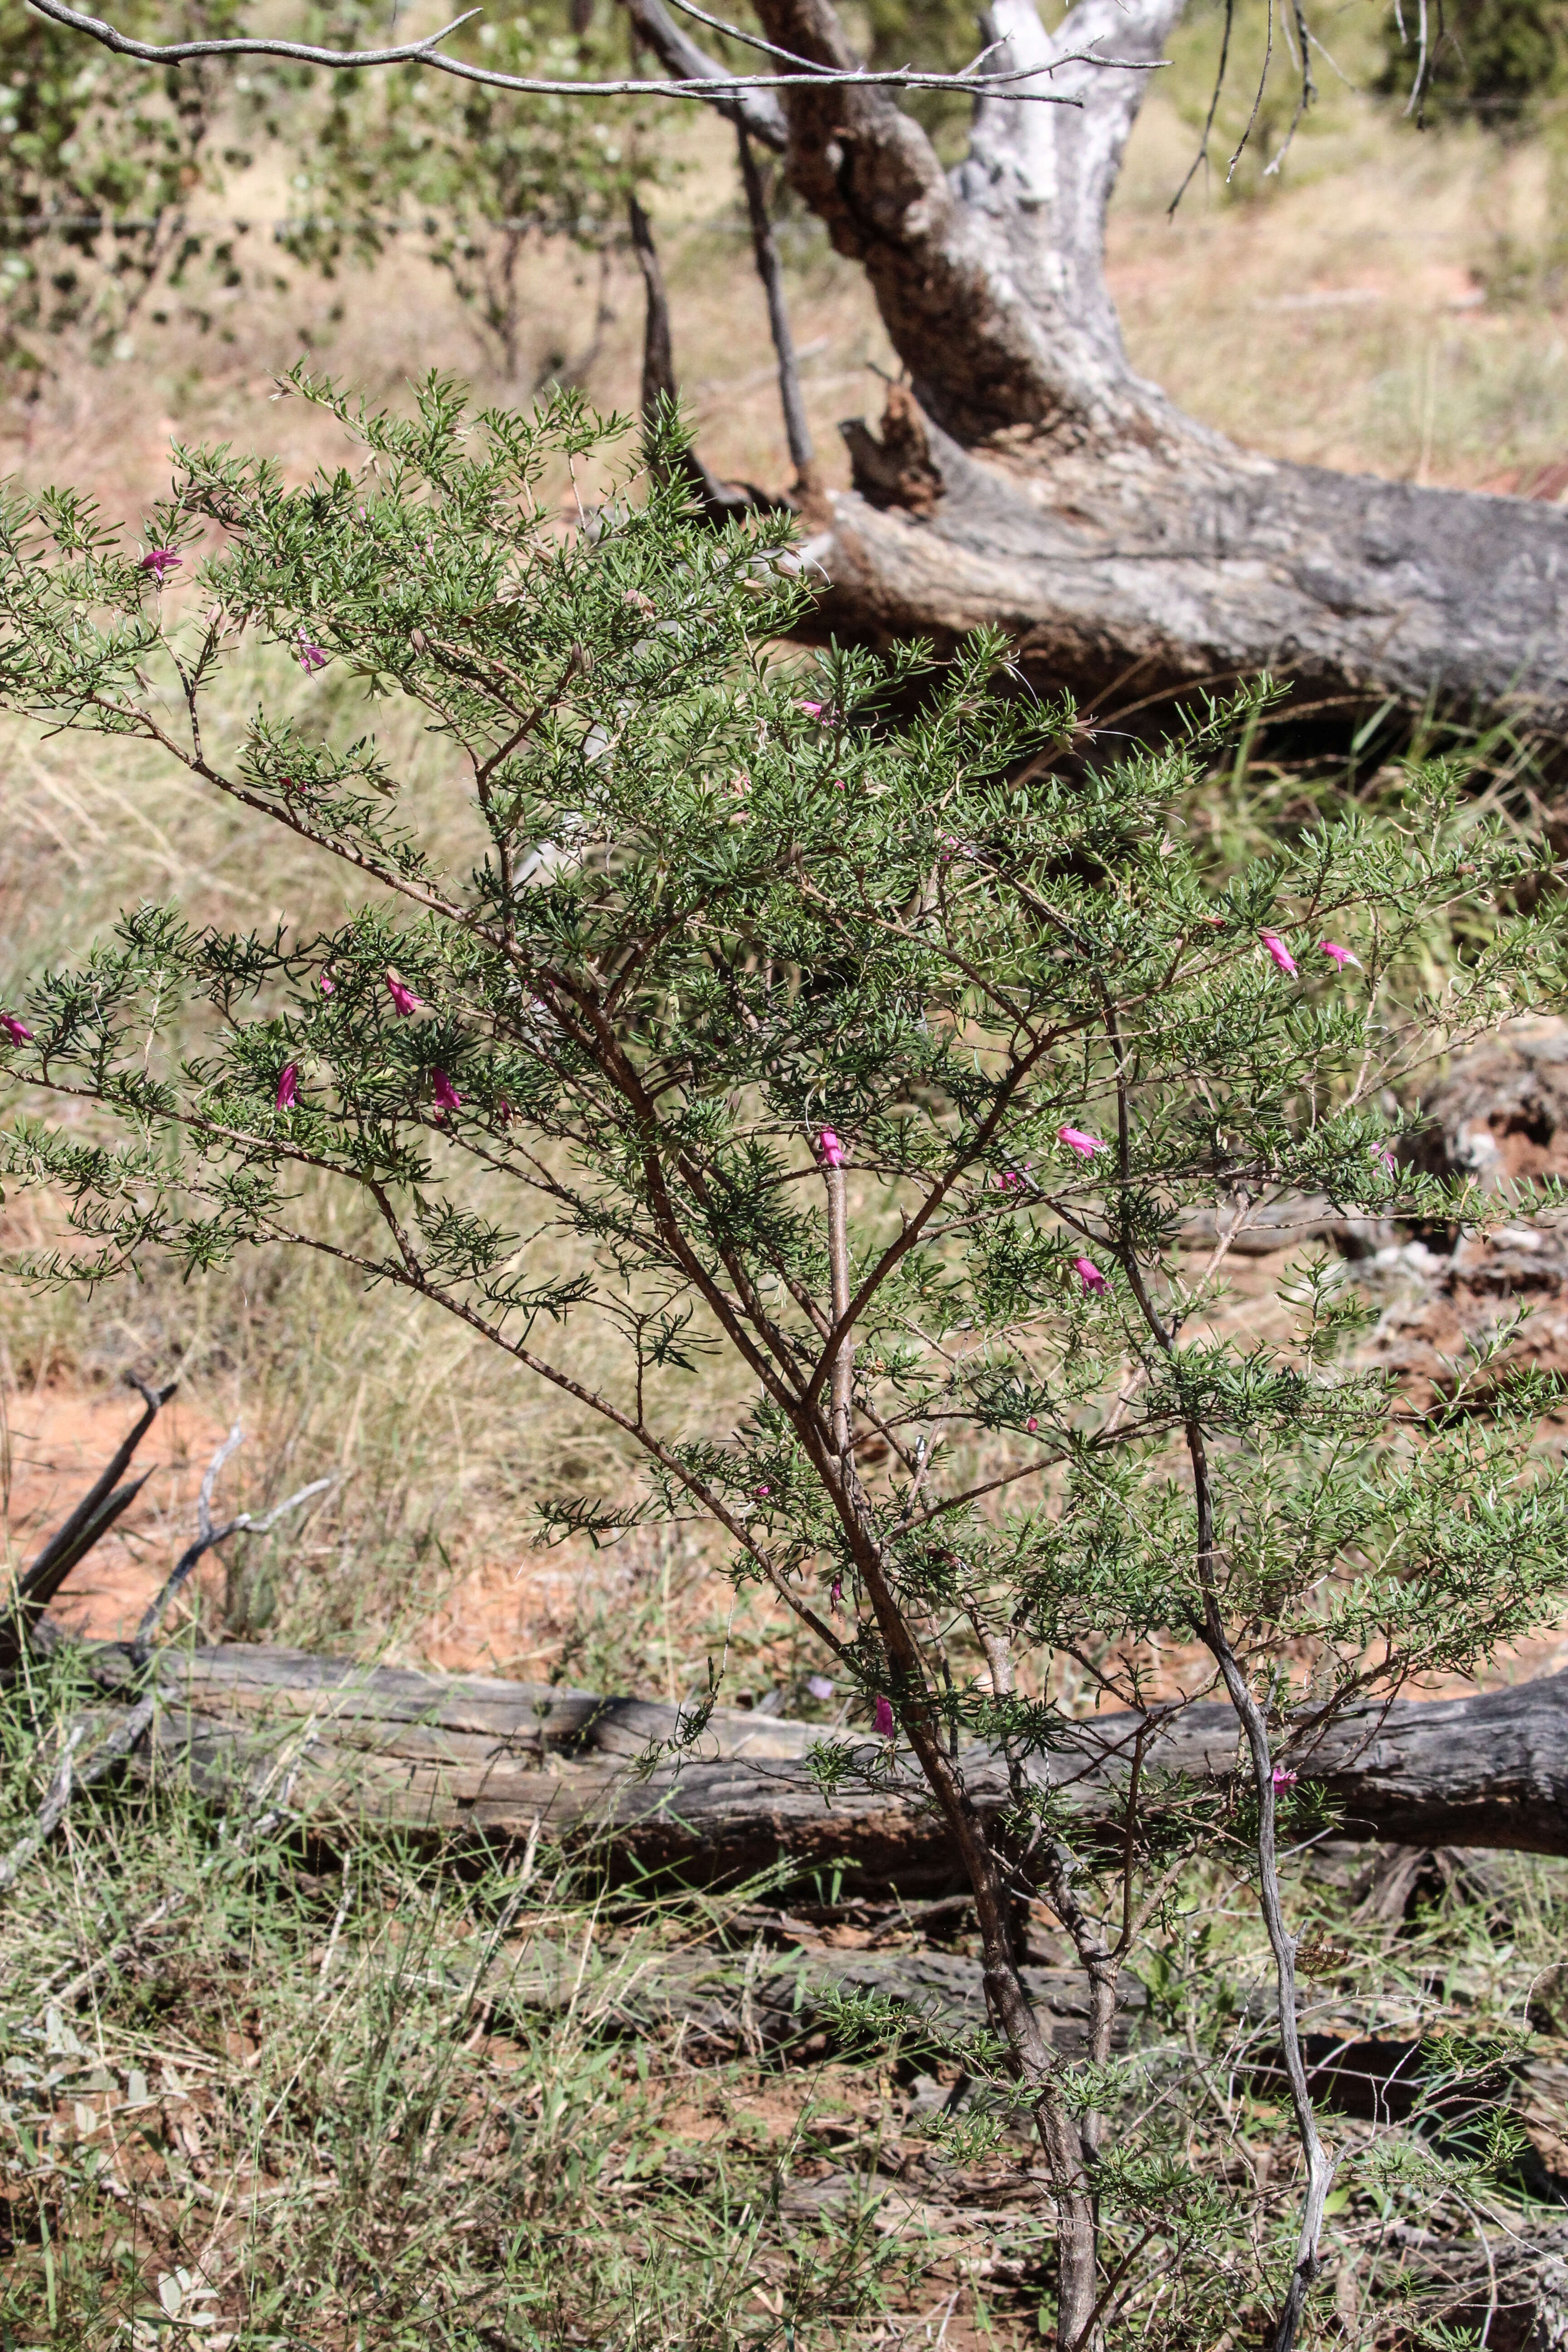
[[770, 269]]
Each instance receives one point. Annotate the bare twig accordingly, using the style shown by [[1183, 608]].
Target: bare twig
[[83, 1982], [843, 1391], [770, 269], [109, 1749], [1202, 157], [427, 52], [51, 1812], [207, 1536], [660, 388], [1418, 87]]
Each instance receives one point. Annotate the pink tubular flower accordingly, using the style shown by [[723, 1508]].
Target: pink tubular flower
[[401, 995], [814, 710], [819, 1686], [836, 1598], [289, 1085], [1338, 955], [1383, 1155], [329, 985], [503, 1110], [1076, 1140], [762, 1492], [831, 1148], [17, 1031], [1279, 951], [883, 1718], [309, 656], [160, 562], [1282, 1779], [443, 1092], [1089, 1273]]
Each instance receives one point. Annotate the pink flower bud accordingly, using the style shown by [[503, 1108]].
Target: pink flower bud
[[762, 1492], [1279, 951], [883, 1717], [831, 1148], [1089, 1273], [814, 710], [329, 985], [1341, 956], [17, 1031], [443, 1094], [289, 1085], [1031, 1424], [1383, 1155], [401, 995], [835, 1597], [1078, 1140]]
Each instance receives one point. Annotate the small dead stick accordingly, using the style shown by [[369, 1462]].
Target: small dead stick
[[95, 1513], [52, 1811], [770, 269], [843, 1384], [207, 1536], [106, 1962], [660, 387], [125, 1734]]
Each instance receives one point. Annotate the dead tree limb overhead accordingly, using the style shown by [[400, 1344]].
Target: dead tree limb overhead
[[456, 1754], [1027, 477]]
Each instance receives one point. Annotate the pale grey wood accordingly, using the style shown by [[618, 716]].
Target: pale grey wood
[[1030, 478], [474, 1754]]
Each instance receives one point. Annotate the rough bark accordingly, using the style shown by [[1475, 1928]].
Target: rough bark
[[456, 1754], [1029, 477]]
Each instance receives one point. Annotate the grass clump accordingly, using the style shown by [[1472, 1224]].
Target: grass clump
[[256, 2092]]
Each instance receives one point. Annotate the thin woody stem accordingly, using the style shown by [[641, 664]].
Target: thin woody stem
[[1282, 1944], [838, 1263], [770, 269]]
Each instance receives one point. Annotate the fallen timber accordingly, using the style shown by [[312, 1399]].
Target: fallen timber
[[472, 1755]]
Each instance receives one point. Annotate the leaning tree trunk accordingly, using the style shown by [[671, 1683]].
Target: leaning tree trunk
[[1027, 477]]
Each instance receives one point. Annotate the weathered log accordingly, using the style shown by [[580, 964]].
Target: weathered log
[[1028, 478], [456, 1754], [771, 2000]]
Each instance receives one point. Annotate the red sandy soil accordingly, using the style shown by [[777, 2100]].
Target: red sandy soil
[[52, 1444]]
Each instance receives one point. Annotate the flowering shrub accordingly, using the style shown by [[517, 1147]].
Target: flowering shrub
[[875, 1039]]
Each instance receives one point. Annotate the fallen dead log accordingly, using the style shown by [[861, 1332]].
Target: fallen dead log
[[474, 1755], [768, 1999]]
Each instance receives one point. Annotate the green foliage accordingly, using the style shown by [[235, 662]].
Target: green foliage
[[98, 157], [723, 921], [474, 172], [1500, 62]]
